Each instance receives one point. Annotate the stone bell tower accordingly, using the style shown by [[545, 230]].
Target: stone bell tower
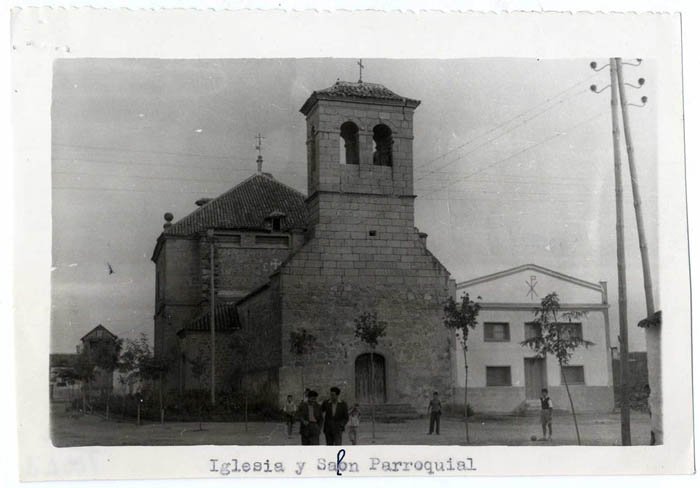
[[363, 254], [359, 142]]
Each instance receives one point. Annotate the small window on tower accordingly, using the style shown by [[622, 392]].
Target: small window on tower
[[383, 142], [276, 224], [350, 143]]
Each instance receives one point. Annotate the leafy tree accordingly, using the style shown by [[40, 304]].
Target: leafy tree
[[369, 330], [459, 318], [556, 336], [103, 354], [302, 342], [138, 363]]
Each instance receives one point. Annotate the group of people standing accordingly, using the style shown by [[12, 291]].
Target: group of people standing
[[330, 417]]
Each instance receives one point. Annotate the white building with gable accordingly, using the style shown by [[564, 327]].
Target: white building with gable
[[505, 376]]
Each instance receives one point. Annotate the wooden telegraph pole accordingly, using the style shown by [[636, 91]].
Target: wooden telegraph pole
[[648, 293], [621, 272], [212, 319]]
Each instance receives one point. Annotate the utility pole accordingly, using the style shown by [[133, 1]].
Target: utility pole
[[615, 83], [653, 330], [621, 271], [648, 293], [212, 318]]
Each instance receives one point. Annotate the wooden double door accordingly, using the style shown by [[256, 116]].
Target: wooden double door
[[535, 377], [365, 364]]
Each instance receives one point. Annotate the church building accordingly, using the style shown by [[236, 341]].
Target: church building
[[283, 262]]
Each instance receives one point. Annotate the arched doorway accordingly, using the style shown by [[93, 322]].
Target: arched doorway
[[363, 383]]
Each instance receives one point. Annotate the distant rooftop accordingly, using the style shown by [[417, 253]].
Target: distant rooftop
[[98, 333], [360, 91]]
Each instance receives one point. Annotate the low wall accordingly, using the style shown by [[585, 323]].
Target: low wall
[[506, 399], [496, 399]]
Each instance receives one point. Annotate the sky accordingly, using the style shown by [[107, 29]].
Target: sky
[[513, 164]]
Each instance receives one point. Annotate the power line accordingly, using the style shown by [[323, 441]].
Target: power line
[[77, 188], [512, 178], [147, 151], [521, 124], [141, 177], [507, 121], [558, 134], [158, 164]]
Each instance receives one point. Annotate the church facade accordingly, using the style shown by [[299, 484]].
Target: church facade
[[350, 247], [362, 254]]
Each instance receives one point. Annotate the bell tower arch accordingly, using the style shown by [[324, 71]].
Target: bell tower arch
[[359, 140]]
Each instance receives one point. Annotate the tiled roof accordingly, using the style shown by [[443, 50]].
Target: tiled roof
[[360, 90], [246, 206], [226, 319]]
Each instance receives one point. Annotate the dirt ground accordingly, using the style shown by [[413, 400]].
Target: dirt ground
[[596, 429]]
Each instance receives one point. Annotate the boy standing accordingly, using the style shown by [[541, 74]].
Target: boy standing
[[289, 411], [354, 423], [434, 410], [546, 414]]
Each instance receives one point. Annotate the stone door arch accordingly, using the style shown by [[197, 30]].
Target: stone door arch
[[363, 383]]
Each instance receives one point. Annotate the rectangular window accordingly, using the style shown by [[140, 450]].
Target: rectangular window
[[229, 240], [532, 330], [497, 375], [496, 332], [572, 330], [272, 241], [574, 375]]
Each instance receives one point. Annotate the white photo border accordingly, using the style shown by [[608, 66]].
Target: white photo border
[[42, 35]]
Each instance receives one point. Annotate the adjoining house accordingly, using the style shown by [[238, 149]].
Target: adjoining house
[[505, 376]]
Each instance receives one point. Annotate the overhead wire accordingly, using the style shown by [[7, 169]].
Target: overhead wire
[[553, 97], [500, 161]]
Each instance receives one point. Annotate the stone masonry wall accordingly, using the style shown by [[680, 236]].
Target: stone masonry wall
[[324, 143], [241, 265], [180, 289], [259, 314], [183, 265], [344, 271], [416, 348], [197, 344]]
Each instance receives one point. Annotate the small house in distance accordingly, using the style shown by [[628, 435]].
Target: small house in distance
[[505, 376], [99, 341]]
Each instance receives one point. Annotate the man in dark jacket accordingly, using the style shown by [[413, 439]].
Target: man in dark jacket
[[335, 416], [310, 419]]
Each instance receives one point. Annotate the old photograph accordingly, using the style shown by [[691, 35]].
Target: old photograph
[[391, 244], [353, 251]]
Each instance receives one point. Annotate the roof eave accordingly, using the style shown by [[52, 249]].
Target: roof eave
[[315, 97], [158, 248]]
